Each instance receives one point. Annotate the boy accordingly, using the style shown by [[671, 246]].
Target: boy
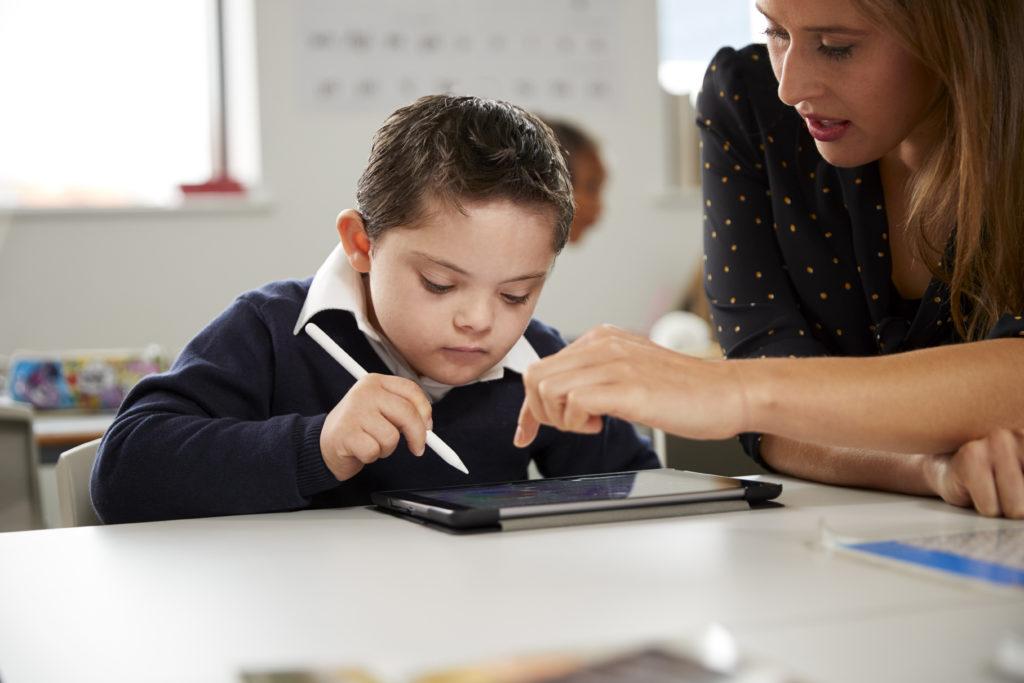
[[463, 206]]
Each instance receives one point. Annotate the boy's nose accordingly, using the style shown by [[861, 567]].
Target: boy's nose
[[799, 79], [474, 315]]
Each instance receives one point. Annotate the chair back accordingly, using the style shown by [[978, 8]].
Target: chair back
[[74, 470]]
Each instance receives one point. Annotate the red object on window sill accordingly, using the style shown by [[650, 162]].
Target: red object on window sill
[[217, 185]]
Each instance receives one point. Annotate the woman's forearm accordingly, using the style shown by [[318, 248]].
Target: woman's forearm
[[986, 474], [928, 401], [897, 472]]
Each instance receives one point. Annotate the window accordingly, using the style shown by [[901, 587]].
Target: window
[[691, 33], [106, 102]]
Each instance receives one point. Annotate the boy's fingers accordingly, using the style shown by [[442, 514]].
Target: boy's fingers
[[526, 429], [384, 433], [412, 393], [415, 438], [403, 415], [363, 447]]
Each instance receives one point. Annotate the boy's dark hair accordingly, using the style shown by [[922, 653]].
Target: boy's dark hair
[[572, 141], [458, 149]]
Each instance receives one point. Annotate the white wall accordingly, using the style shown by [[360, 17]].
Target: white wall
[[116, 279]]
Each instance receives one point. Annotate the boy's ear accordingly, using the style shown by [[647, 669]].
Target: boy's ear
[[354, 239]]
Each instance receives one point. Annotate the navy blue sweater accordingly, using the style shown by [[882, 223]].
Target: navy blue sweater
[[234, 426]]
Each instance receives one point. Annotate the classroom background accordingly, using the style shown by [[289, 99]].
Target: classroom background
[[108, 107], [107, 111]]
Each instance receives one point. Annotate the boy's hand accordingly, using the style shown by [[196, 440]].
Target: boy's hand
[[368, 422]]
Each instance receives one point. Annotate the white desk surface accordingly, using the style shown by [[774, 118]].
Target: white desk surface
[[57, 424], [198, 600]]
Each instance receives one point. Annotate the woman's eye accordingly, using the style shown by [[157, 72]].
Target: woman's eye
[[517, 300], [836, 52], [434, 287]]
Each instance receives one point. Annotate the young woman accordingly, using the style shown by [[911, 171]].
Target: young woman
[[864, 255]]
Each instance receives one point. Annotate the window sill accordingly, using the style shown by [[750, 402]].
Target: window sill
[[197, 206]]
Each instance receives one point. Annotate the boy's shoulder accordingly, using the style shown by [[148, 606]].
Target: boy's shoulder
[[279, 295], [544, 339]]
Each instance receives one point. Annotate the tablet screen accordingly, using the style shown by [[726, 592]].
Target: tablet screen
[[642, 484]]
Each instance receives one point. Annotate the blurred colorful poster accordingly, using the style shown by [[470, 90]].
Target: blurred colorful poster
[[83, 382]]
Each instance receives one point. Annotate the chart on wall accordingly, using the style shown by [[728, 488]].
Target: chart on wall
[[375, 55]]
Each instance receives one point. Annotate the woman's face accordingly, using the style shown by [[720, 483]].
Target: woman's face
[[860, 93]]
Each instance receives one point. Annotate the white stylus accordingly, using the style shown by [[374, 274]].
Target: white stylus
[[356, 370]]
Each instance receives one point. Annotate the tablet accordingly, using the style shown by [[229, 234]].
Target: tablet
[[576, 500]]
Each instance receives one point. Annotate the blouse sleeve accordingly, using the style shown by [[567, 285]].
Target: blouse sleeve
[[753, 304], [752, 301], [1008, 327]]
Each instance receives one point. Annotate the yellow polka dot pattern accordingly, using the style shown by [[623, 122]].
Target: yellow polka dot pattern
[[799, 248]]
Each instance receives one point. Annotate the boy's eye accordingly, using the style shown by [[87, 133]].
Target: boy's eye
[[434, 287], [517, 300]]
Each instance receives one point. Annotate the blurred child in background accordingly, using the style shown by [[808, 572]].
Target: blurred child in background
[[586, 171]]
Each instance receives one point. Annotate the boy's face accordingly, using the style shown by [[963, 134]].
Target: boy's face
[[454, 293]]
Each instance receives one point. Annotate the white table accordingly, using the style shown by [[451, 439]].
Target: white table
[[198, 600], [68, 429]]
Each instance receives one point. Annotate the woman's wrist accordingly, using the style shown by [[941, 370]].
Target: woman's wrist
[[756, 387], [741, 406], [932, 468]]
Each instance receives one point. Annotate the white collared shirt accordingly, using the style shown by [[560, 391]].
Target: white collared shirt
[[338, 286]]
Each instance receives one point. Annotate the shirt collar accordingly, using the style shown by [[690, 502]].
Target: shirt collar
[[338, 286]]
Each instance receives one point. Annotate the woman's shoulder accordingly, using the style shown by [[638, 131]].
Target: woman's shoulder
[[748, 63], [740, 93]]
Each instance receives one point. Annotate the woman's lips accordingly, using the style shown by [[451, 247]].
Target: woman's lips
[[826, 130]]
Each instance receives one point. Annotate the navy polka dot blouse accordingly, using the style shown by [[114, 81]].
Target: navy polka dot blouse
[[796, 252]]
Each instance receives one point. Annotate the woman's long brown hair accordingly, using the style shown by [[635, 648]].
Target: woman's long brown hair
[[973, 179]]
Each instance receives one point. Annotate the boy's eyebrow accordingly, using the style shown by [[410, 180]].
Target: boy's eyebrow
[[530, 276], [463, 271], [818, 29]]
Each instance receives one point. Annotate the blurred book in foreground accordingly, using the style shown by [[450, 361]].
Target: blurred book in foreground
[[711, 658]]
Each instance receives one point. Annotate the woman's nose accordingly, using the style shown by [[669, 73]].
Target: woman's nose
[[799, 79]]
